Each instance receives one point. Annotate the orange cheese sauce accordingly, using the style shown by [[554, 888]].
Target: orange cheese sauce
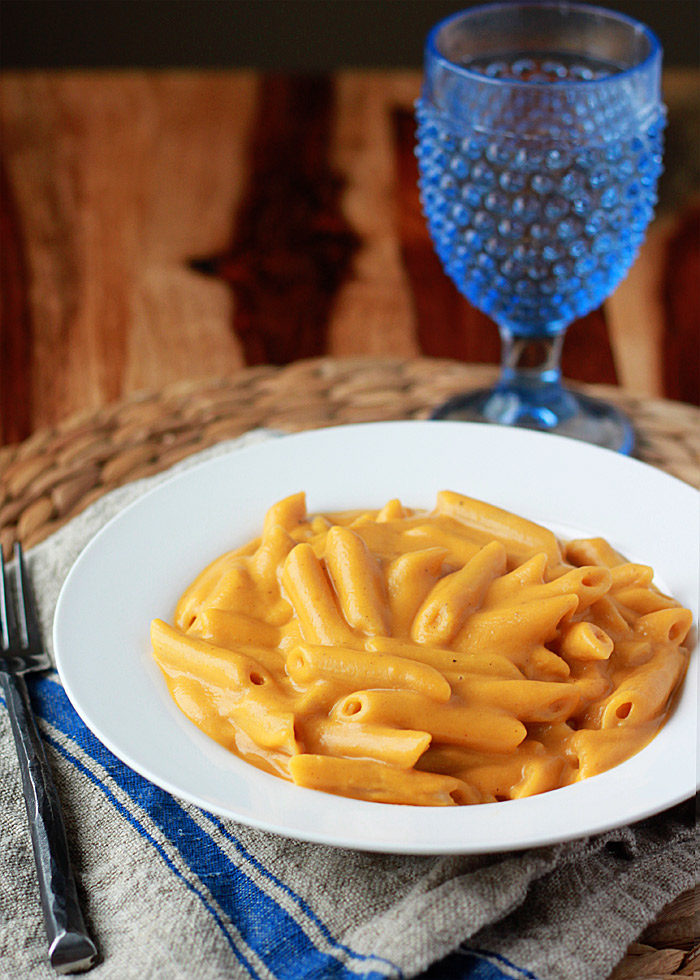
[[456, 656]]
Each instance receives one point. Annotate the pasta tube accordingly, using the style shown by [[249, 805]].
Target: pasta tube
[[460, 547], [665, 625], [455, 723], [287, 514], [266, 720], [409, 579], [643, 694], [633, 652], [457, 596], [593, 551], [588, 583], [606, 614], [592, 681], [530, 572], [393, 510], [529, 770], [358, 581], [181, 654], [522, 538], [399, 747], [629, 575], [544, 665], [359, 668], [446, 661], [274, 548], [310, 593], [585, 641], [643, 600], [232, 629], [192, 600], [510, 630], [597, 751], [378, 782], [239, 688], [530, 701]]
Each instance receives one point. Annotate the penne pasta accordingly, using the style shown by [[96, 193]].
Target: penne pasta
[[629, 575], [544, 664], [592, 681], [527, 700], [643, 694], [358, 581], [454, 723], [233, 629], [665, 625], [178, 654], [435, 658], [311, 595], [360, 668], [266, 721], [446, 661], [273, 549], [393, 510], [521, 538], [633, 652], [459, 547], [457, 595], [288, 514], [588, 583], [643, 600], [592, 551], [597, 751], [585, 641], [193, 599], [410, 578], [509, 586], [378, 782], [511, 630], [399, 747]]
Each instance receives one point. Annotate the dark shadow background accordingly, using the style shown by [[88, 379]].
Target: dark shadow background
[[286, 35]]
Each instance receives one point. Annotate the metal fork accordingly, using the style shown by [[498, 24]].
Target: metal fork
[[21, 651]]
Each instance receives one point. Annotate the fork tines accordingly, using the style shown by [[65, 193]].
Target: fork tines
[[22, 649]]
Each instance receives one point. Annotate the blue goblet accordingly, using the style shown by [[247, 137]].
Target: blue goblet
[[539, 148]]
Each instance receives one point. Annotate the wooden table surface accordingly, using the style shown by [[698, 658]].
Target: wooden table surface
[[160, 227]]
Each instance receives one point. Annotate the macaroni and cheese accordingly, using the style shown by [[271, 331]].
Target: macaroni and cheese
[[458, 656]]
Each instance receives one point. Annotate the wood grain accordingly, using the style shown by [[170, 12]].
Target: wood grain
[[15, 324], [293, 246], [300, 193], [681, 287]]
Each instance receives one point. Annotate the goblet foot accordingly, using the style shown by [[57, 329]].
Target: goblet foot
[[554, 409]]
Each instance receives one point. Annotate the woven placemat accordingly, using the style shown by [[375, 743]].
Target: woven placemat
[[57, 472]]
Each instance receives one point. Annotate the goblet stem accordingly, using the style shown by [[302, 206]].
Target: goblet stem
[[525, 359], [529, 393]]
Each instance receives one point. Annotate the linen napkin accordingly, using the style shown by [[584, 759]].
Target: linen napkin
[[171, 891]]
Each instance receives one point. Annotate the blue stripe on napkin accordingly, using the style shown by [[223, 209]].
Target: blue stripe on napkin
[[294, 944]]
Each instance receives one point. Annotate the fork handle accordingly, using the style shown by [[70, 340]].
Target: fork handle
[[70, 948]]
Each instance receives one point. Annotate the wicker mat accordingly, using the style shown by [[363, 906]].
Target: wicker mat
[[56, 473]]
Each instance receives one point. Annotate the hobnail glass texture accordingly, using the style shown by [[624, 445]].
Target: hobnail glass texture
[[538, 176], [537, 233]]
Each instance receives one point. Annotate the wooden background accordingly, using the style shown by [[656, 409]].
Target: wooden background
[[162, 226]]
